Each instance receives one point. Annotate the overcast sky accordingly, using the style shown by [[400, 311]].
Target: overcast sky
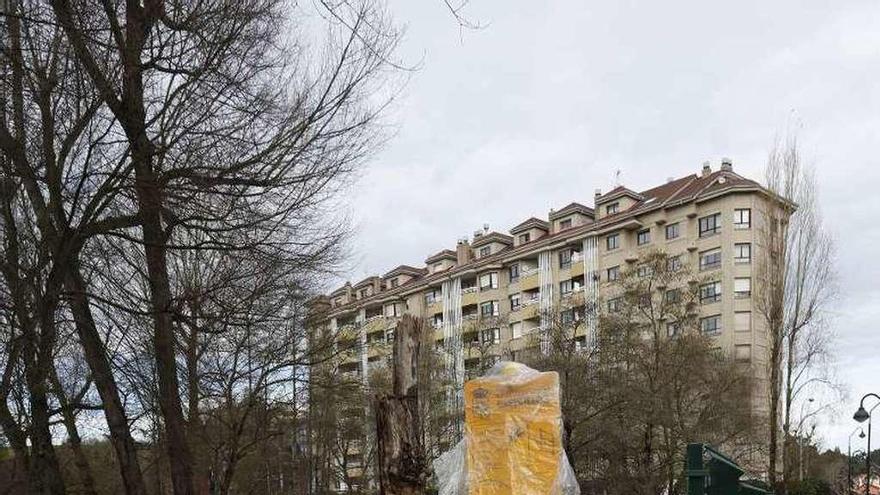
[[546, 102]]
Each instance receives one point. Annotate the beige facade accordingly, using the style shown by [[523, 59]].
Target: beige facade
[[708, 219]]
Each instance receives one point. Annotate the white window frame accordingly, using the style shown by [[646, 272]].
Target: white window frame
[[738, 292], [738, 249], [742, 218]]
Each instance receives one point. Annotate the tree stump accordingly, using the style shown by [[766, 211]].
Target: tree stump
[[401, 454]]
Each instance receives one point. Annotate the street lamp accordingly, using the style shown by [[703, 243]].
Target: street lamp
[[849, 457], [861, 415], [801, 440]]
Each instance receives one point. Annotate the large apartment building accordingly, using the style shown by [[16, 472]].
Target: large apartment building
[[566, 260]]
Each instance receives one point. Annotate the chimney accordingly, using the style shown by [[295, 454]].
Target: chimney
[[485, 228], [707, 169], [463, 252], [727, 164], [597, 193], [669, 179]]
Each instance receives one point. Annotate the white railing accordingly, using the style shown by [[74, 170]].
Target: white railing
[[469, 290], [576, 256]]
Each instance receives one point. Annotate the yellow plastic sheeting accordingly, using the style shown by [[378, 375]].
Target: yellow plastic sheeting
[[513, 432]]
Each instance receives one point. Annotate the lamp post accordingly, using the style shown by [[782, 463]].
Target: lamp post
[[801, 440], [849, 458], [861, 415]]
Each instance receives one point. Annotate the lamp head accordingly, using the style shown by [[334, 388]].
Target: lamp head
[[861, 415], [862, 434]]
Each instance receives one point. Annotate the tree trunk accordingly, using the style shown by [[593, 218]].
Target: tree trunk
[[398, 426], [74, 440]]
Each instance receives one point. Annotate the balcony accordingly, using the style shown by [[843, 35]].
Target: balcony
[[374, 324], [577, 264], [528, 279], [574, 298], [433, 307], [469, 296]]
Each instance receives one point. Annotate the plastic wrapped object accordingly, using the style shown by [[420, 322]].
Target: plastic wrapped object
[[512, 438]]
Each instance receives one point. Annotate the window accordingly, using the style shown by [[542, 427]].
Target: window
[[489, 281], [612, 208], [437, 267], [673, 296], [365, 293], [710, 259], [491, 336], [710, 293], [672, 231], [645, 271], [742, 352], [569, 316], [673, 328], [742, 288], [612, 242], [643, 237], [710, 225], [566, 286], [394, 283], [742, 321], [515, 301], [565, 258], [742, 253], [711, 324], [673, 263], [612, 273], [485, 251], [513, 270], [742, 218], [488, 309], [565, 224], [471, 337], [391, 310], [516, 330], [614, 305], [431, 296], [438, 320], [524, 238]]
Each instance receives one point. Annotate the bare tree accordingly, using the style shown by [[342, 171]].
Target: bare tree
[[652, 383], [796, 283]]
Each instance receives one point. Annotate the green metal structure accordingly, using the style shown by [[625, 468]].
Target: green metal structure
[[710, 472]]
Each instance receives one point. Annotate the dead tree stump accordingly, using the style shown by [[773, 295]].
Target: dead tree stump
[[401, 454]]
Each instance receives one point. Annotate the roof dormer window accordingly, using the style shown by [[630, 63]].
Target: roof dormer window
[[565, 224], [612, 208]]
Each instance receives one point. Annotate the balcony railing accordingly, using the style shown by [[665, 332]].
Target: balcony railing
[[576, 257], [469, 290]]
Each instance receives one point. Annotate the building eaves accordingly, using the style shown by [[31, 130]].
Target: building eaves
[[570, 208], [446, 254], [492, 237], [531, 223]]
